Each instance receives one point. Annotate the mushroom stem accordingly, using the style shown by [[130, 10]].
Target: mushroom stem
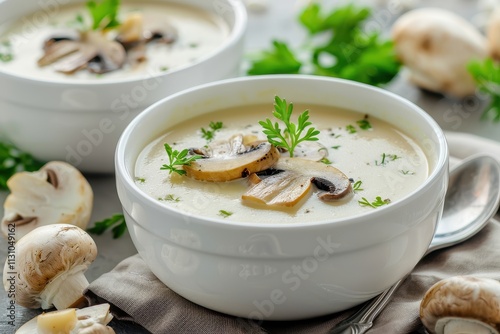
[[454, 325], [66, 290]]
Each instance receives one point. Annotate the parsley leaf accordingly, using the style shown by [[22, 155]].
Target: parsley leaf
[[279, 60], [12, 160], [292, 135], [374, 204], [225, 213], [210, 134], [116, 221], [177, 158], [104, 14], [486, 74]]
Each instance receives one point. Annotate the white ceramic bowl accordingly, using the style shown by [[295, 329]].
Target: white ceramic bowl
[[277, 271], [80, 122]]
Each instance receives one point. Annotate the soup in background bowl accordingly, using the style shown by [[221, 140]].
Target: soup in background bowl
[[217, 246], [69, 90]]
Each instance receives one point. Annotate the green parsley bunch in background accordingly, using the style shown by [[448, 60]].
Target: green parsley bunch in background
[[349, 52]]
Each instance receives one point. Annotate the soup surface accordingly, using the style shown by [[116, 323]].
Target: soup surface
[[383, 163], [199, 33]]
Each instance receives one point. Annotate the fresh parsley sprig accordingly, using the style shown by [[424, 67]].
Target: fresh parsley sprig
[[178, 159], [344, 49], [293, 134], [116, 222], [486, 74], [104, 14], [13, 160]]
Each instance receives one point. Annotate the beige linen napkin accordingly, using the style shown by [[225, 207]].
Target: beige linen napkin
[[137, 295]]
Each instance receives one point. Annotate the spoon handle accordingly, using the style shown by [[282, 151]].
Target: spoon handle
[[362, 320]]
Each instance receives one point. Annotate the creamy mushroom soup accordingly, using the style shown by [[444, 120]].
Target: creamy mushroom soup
[[382, 165], [176, 35]]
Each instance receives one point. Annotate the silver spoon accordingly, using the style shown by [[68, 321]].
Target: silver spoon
[[472, 199]]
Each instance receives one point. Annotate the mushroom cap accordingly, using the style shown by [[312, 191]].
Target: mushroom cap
[[290, 180], [44, 254], [56, 194], [461, 297], [493, 34], [436, 45], [230, 159]]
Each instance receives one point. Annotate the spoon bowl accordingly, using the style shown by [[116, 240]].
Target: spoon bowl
[[472, 199]]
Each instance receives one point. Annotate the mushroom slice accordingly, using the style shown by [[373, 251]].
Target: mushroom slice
[[290, 180], [58, 50], [462, 304], [155, 28], [77, 61], [131, 30], [284, 189], [93, 51], [51, 263], [62, 35], [57, 193], [230, 159], [111, 55], [88, 320]]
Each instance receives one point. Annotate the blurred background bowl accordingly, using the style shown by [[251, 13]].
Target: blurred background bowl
[[282, 271], [80, 122]]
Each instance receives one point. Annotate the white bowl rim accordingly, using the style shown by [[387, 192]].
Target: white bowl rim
[[441, 163], [236, 34]]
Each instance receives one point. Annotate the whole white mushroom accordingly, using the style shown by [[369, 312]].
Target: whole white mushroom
[[49, 268], [435, 45], [462, 305], [56, 194]]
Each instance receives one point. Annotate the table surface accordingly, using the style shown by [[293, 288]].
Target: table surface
[[277, 21]]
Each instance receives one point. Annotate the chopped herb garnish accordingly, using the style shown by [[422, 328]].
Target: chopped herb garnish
[[13, 160], [170, 198], [351, 129], [374, 204], [364, 124], [117, 222], [213, 127], [164, 68], [326, 161], [176, 159], [407, 172], [292, 135], [357, 186], [386, 158], [6, 54], [104, 14], [225, 213], [336, 147], [140, 179]]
